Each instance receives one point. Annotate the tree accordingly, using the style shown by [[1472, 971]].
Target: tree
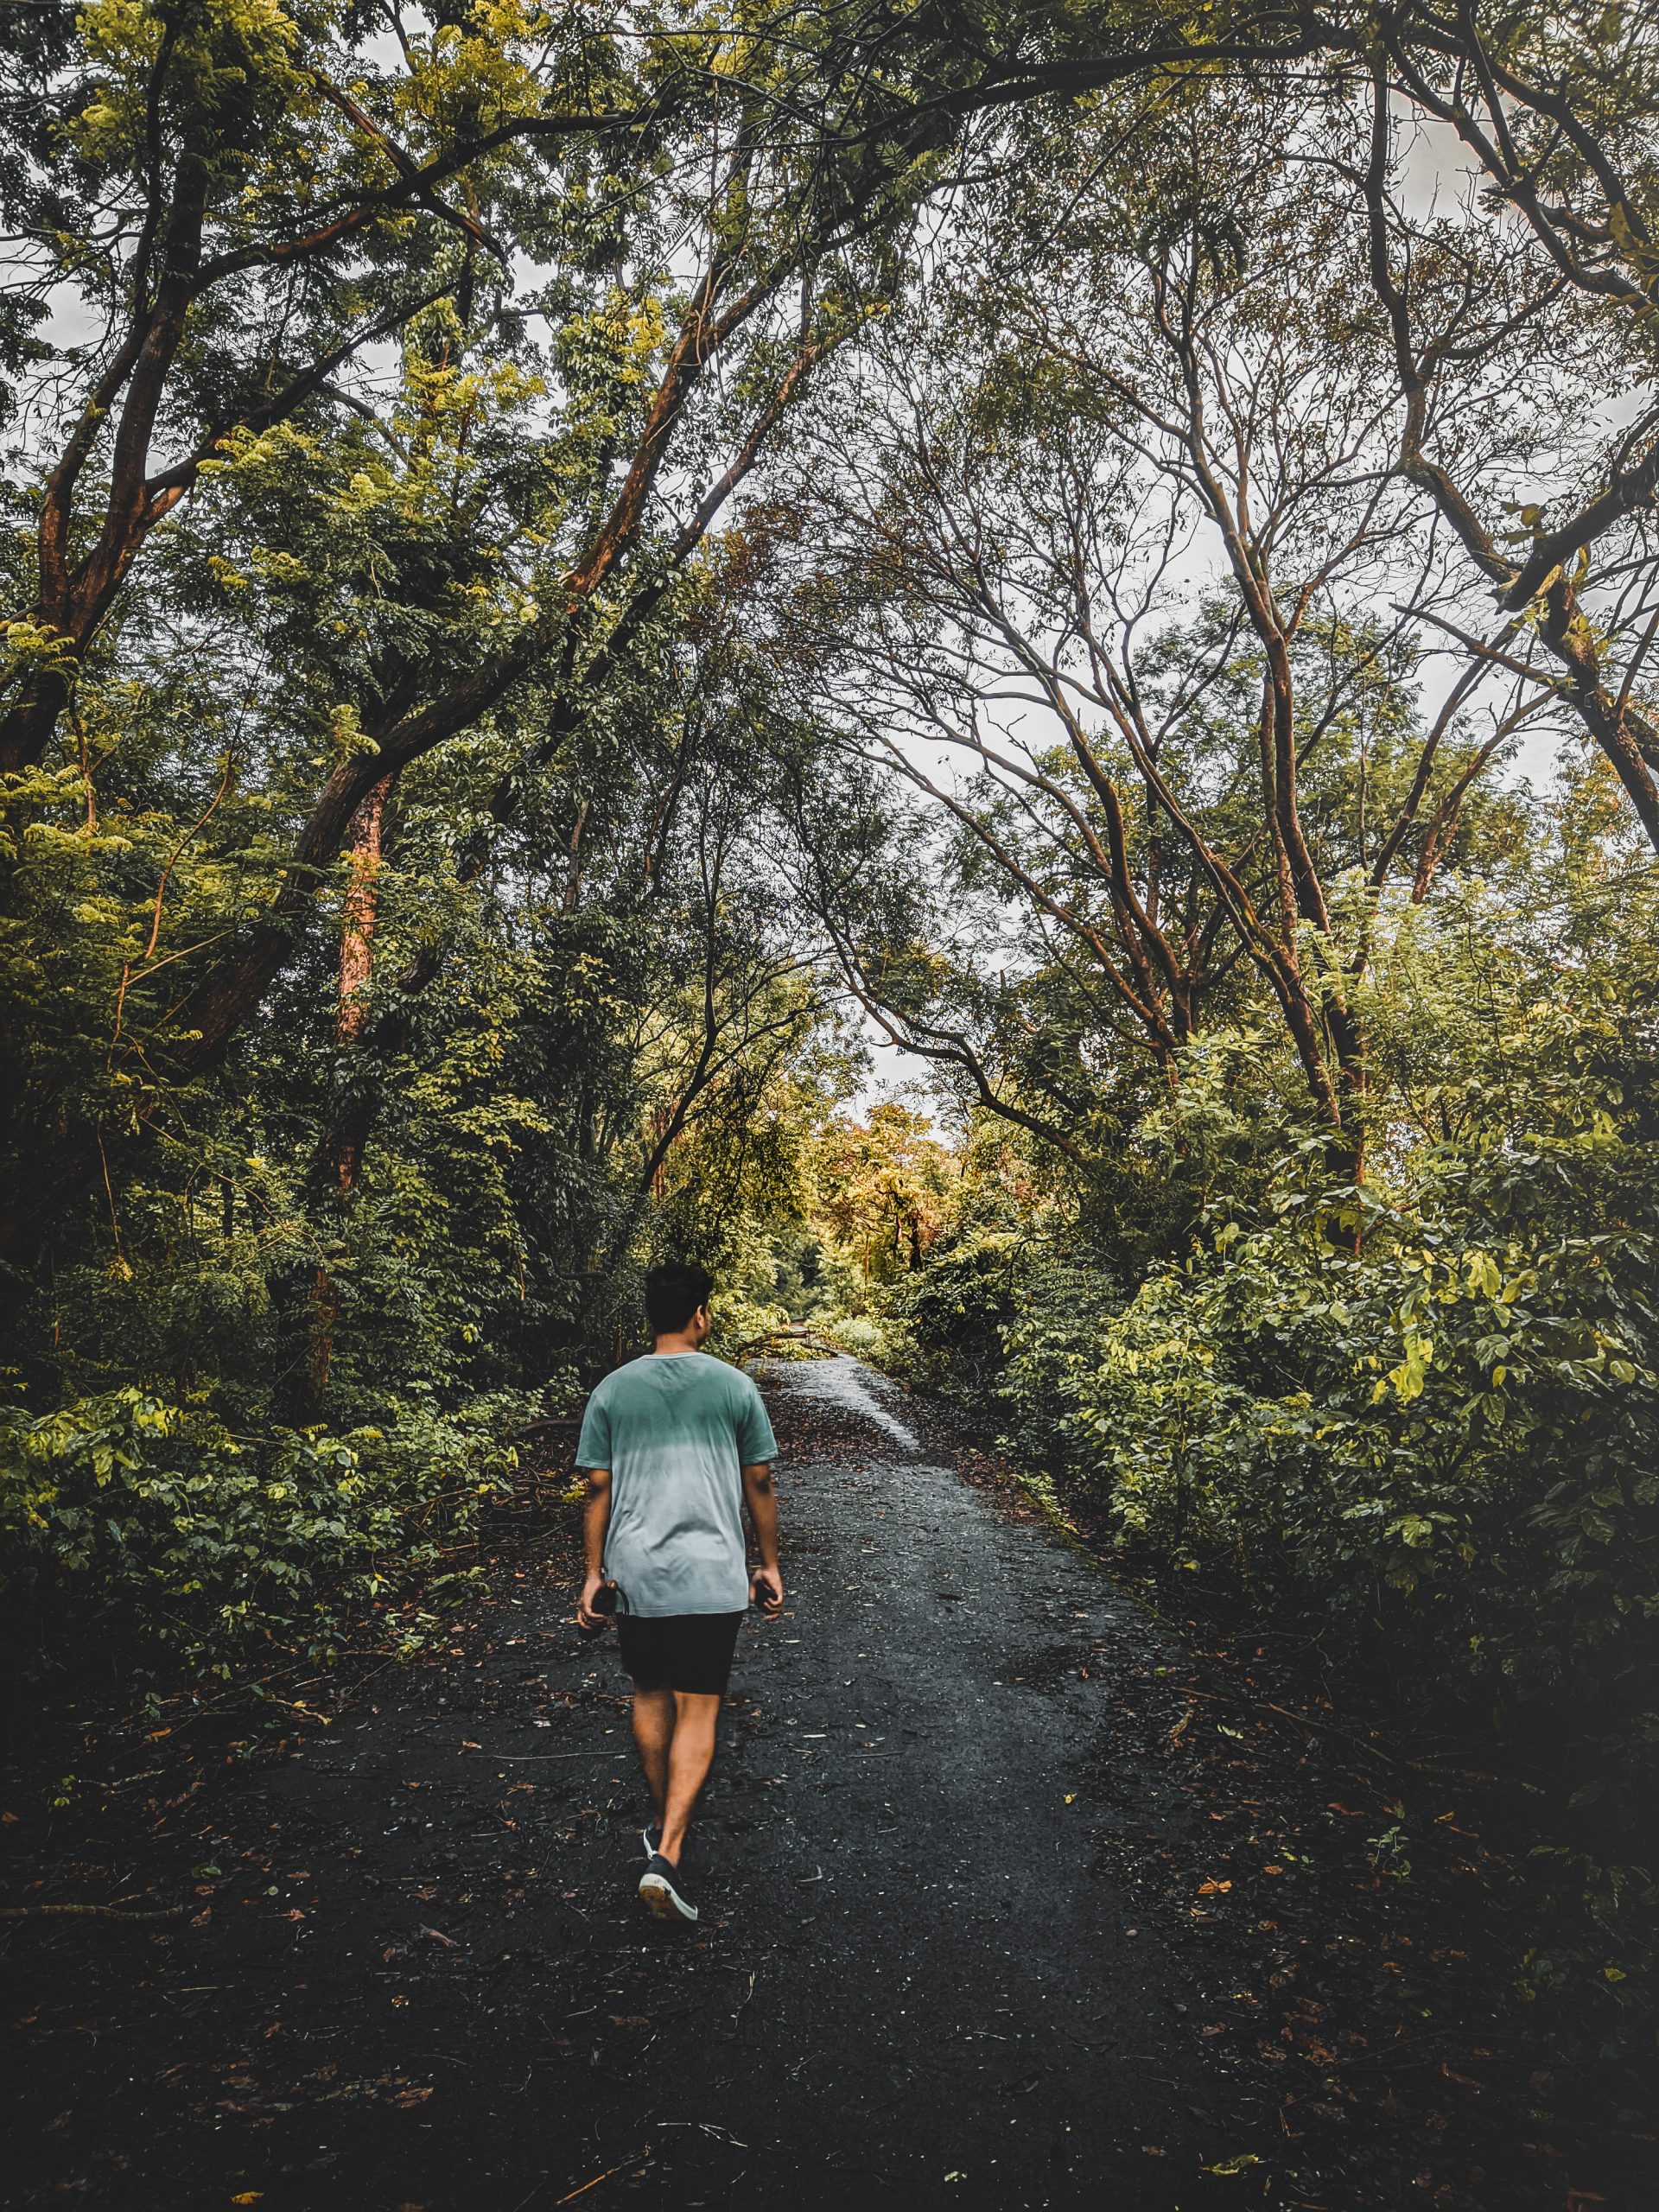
[[883, 1188], [657, 379], [1133, 522], [239, 204], [1578, 568]]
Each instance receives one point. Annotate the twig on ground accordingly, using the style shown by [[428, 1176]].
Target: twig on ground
[[597, 2178]]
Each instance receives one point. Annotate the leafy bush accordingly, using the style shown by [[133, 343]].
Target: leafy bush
[[1447, 1440], [863, 1336], [945, 1321], [742, 1321], [1432, 1425], [163, 1529]]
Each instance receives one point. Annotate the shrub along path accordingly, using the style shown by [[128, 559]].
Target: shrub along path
[[1006, 1905]]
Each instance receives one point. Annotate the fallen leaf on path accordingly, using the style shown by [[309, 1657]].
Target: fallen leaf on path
[[1234, 2166]]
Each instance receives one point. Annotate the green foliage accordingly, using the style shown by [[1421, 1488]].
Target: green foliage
[[616, 1053], [161, 1530], [1444, 1450], [1424, 1404], [1446, 1440], [1420, 1417], [946, 1321], [489, 1253]]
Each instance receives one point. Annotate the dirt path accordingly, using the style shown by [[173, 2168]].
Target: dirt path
[[414, 1974]]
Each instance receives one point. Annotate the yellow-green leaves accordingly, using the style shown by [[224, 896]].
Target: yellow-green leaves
[[1406, 1380]]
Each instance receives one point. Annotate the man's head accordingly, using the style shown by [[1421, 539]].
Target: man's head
[[677, 1296]]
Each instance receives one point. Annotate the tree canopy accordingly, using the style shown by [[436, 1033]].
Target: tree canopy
[[570, 578]]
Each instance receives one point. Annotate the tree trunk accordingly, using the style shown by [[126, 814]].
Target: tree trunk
[[352, 1106]]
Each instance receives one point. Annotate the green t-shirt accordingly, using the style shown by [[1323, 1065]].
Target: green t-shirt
[[676, 1429]]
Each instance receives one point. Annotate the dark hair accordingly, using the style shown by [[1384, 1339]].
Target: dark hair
[[673, 1294]]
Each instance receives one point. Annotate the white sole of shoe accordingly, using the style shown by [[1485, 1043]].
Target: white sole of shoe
[[663, 1903]]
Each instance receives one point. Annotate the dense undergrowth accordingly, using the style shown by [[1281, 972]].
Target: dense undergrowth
[[158, 1531]]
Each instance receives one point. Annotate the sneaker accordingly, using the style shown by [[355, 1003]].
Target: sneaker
[[650, 1837], [658, 1886]]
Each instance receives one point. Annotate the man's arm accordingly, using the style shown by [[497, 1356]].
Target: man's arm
[[767, 1582], [595, 1519]]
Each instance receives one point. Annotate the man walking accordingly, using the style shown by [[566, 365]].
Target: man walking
[[675, 1444]]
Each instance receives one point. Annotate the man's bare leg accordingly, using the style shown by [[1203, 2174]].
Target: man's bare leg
[[653, 1729], [690, 1755]]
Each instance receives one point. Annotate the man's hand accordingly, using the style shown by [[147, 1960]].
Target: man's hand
[[766, 1590], [595, 1519], [766, 1583], [586, 1616]]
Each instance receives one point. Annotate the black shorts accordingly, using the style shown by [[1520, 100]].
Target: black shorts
[[679, 1651]]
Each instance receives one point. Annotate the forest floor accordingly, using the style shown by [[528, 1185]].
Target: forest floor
[[1013, 1896]]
